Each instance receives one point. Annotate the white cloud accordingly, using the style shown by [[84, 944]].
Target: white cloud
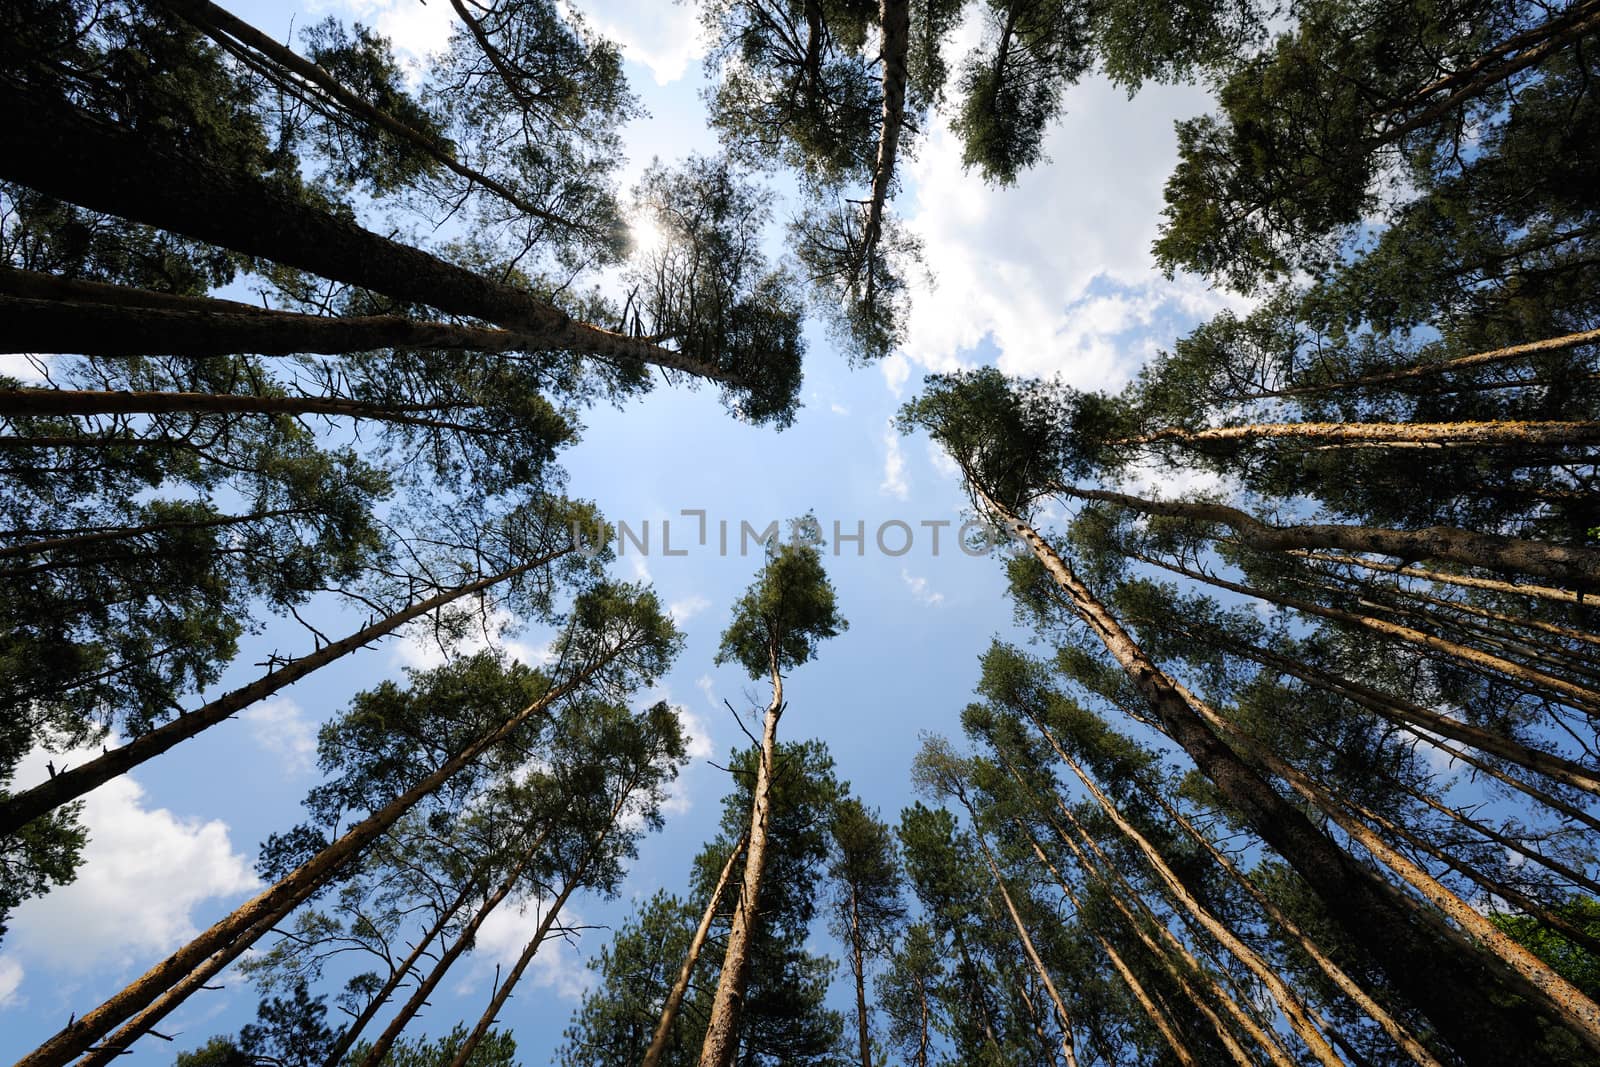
[[420, 648], [280, 726], [556, 964], [144, 872], [1027, 266], [894, 467], [919, 589], [941, 462], [10, 979], [416, 30], [838, 408], [665, 38], [29, 370], [686, 608]]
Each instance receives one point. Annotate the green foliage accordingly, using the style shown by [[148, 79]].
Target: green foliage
[[708, 287], [784, 615], [1571, 961]]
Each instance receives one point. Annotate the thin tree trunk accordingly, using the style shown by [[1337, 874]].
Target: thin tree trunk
[[280, 899], [1440, 976], [1158, 1018], [722, 1030], [1565, 29], [62, 152], [1578, 696], [1294, 1010], [1536, 976], [859, 968], [680, 987], [1336, 974], [1424, 370], [81, 540], [347, 1037], [1488, 434], [1541, 592], [1415, 717], [1033, 1014], [573, 881], [85, 402], [18, 810], [1169, 952], [922, 1039], [1573, 563], [436, 974], [894, 16], [230, 32], [1062, 1018]]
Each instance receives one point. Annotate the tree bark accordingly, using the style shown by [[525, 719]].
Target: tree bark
[[18, 810], [60, 151], [447, 958], [1443, 978], [895, 18], [1487, 434], [281, 898], [722, 1031], [1573, 563], [94, 319], [680, 987], [347, 1037]]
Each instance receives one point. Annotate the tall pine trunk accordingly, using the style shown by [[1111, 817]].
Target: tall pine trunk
[[1441, 976], [276, 902], [22, 808], [680, 987]]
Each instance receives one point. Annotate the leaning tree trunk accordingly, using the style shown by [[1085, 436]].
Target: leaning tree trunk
[[1424, 370], [1487, 434], [347, 1036], [1578, 696], [1414, 717], [1156, 1016], [894, 16], [573, 881], [1571, 563], [722, 1031], [1170, 953], [1294, 1009], [1062, 1018], [232, 33], [1535, 976], [276, 902], [436, 974], [1442, 977], [22, 808], [52, 147], [680, 987], [93, 324]]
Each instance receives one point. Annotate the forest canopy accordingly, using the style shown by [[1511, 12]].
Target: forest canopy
[[1270, 739]]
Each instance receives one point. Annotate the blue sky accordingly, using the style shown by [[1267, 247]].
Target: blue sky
[[1052, 276]]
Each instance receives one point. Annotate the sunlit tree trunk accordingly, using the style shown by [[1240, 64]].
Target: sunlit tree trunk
[[1437, 974], [680, 987], [1562, 562], [722, 1031]]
